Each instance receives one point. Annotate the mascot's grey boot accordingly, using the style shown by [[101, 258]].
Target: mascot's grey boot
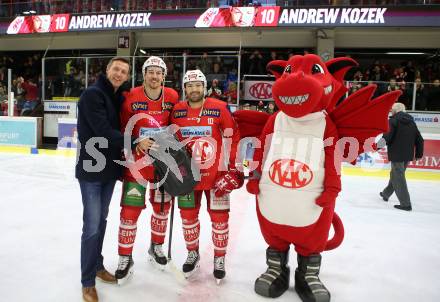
[[275, 281], [307, 283]]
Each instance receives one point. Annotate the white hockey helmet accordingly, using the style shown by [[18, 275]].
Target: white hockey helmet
[[195, 76], [154, 61]]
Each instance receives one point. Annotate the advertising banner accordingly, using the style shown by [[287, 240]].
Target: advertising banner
[[428, 120], [258, 90], [54, 110], [429, 161], [18, 132], [67, 133]]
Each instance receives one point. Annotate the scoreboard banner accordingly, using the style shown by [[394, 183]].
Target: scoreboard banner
[[263, 16]]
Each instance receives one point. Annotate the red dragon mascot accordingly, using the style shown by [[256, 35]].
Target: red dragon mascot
[[297, 178]]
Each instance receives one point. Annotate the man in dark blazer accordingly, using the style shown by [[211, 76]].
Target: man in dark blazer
[[403, 137], [101, 143]]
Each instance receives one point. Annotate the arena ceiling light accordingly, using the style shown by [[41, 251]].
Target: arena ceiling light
[[405, 53], [142, 51]]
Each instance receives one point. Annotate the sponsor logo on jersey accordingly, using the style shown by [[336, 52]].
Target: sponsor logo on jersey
[[180, 113], [168, 106], [155, 112], [149, 132], [202, 150], [134, 192], [290, 173], [139, 106], [211, 112], [196, 131]]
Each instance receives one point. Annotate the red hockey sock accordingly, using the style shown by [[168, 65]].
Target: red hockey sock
[[220, 232], [191, 228], [159, 222], [127, 229]]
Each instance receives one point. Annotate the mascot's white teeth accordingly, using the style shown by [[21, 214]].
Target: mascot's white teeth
[[328, 89], [294, 100]]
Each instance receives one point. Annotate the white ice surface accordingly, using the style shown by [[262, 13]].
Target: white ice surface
[[387, 254]]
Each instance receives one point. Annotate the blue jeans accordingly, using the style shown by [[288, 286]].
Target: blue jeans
[[96, 197], [29, 106]]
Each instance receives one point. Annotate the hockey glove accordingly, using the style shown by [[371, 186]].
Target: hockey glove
[[228, 181], [253, 186]]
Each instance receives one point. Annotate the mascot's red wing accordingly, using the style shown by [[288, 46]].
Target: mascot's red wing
[[361, 118], [250, 123]]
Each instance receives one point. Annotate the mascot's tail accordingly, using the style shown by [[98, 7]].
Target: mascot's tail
[[339, 233]]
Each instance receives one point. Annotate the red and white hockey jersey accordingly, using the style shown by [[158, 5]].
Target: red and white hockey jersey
[[136, 101], [212, 136]]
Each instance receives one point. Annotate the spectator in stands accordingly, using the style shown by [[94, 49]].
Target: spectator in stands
[[3, 100], [217, 73], [31, 96], [272, 57], [402, 139], [358, 79], [3, 93], [246, 106], [256, 63], [399, 75], [231, 93], [3, 73], [214, 91], [377, 74], [271, 108], [353, 89], [232, 75], [393, 85], [421, 96], [204, 64], [19, 93], [260, 106], [216, 68], [409, 72], [434, 96]]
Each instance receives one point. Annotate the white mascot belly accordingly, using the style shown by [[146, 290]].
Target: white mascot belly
[[293, 170]]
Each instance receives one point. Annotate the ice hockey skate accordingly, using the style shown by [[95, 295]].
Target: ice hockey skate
[[219, 269], [191, 264], [157, 257], [125, 269]]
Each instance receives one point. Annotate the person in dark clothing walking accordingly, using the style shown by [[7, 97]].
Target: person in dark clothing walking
[[403, 137], [101, 143]]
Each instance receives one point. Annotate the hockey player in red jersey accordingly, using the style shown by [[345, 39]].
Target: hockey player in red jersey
[[145, 111], [208, 126]]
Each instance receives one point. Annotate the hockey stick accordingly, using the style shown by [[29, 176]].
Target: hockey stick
[[170, 237], [176, 272]]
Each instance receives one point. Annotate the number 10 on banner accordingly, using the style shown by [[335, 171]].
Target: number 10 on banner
[[267, 16], [60, 23]]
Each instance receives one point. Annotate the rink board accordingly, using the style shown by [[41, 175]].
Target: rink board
[[362, 170]]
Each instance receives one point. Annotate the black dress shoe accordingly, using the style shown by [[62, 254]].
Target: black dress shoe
[[398, 206], [383, 196]]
